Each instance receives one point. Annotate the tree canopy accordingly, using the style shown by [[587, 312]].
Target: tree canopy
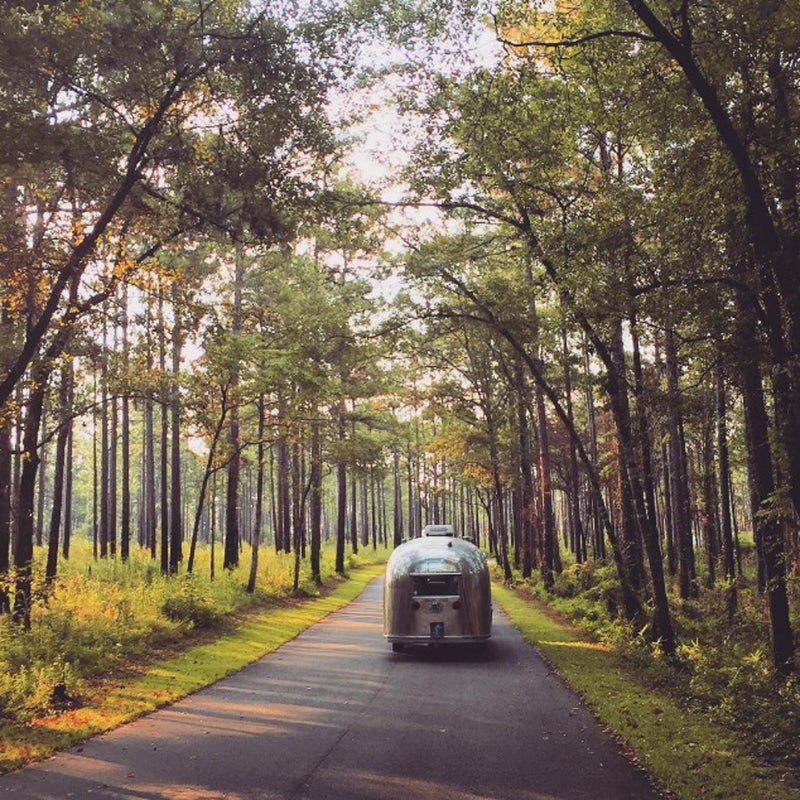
[[564, 312]]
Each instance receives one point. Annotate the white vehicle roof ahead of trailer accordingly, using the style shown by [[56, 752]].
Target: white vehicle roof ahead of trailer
[[438, 530]]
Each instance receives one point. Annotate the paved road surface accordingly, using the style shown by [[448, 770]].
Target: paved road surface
[[336, 715]]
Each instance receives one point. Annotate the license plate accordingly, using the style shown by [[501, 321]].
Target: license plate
[[437, 630]]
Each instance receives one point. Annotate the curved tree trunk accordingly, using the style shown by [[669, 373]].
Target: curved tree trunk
[[208, 473]]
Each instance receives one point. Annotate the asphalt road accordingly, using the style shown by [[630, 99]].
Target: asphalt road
[[335, 714]]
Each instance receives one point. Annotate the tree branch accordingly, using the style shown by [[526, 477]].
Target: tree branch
[[577, 42]]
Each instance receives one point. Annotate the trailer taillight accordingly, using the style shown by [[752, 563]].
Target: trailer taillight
[[415, 605], [456, 604]]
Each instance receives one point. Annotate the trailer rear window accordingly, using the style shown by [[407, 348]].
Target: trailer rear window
[[436, 585]]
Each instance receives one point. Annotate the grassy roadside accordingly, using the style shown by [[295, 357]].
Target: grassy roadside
[[683, 750], [166, 680]]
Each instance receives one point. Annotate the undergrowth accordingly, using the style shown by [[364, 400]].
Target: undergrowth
[[105, 616], [723, 665]]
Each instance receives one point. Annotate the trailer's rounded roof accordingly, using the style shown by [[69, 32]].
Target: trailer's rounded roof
[[435, 554]]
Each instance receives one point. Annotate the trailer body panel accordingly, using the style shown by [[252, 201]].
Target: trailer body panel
[[437, 590]]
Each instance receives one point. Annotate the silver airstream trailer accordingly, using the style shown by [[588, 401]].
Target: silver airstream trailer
[[436, 591]]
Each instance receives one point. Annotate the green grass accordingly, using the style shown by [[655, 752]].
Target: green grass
[[682, 749], [108, 704]]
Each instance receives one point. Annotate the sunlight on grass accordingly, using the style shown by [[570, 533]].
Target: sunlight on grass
[[580, 645]]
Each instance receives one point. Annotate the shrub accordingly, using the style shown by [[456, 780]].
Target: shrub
[[189, 604], [32, 682]]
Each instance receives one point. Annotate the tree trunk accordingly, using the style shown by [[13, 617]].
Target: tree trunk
[[353, 512], [12, 240], [767, 527], [633, 525], [5, 507], [213, 532], [284, 495], [669, 525], [341, 515], [500, 517], [373, 507], [176, 516], [341, 492], [41, 487], [125, 440], [231, 552], [163, 455], [208, 474], [550, 559], [66, 539], [643, 433], [723, 476], [23, 551], [95, 482], [258, 524], [316, 502], [709, 512], [232, 533], [598, 535], [65, 417], [298, 527], [112, 475], [527, 510], [413, 498], [679, 478], [397, 536], [104, 452], [148, 517], [577, 530], [113, 445], [363, 497]]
